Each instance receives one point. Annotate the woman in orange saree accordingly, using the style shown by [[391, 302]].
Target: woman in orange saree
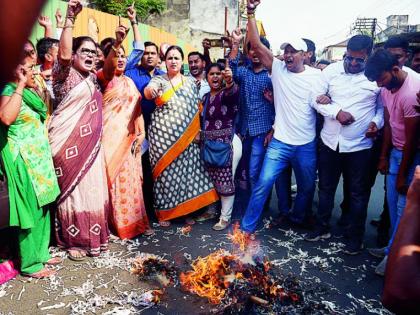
[[123, 133], [181, 184]]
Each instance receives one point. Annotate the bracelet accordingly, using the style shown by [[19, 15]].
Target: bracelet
[[68, 26], [134, 23], [251, 16], [71, 18], [18, 94]]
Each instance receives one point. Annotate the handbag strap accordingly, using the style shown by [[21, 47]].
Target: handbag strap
[[203, 122]]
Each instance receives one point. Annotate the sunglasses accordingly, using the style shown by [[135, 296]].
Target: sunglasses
[[86, 52], [358, 60]]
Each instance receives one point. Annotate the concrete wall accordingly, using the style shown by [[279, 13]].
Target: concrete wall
[[194, 20]]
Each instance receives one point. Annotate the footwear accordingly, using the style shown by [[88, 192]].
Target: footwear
[[381, 267], [205, 216], [43, 273], [165, 223], [76, 255], [375, 222], [149, 232], [353, 248], [189, 221], [343, 221], [318, 234], [54, 261], [221, 225], [377, 252]]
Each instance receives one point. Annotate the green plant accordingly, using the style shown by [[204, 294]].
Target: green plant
[[144, 8]]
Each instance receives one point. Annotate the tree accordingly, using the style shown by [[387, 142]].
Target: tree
[[144, 8]]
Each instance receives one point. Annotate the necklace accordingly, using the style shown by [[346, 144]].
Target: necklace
[[170, 81]]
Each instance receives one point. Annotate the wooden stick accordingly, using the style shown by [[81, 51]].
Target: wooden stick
[[226, 22], [258, 300]]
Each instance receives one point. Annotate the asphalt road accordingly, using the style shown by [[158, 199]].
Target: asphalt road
[[343, 284]]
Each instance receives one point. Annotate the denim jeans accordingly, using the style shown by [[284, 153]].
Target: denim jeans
[[278, 158], [396, 201], [254, 150], [354, 166]]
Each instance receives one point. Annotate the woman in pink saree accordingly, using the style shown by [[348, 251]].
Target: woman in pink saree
[[122, 137], [75, 131]]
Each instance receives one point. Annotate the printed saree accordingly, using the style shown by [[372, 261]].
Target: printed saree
[[128, 216], [75, 131], [181, 184]]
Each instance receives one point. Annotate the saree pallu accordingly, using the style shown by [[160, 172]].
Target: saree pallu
[[181, 184], [128, 216], [75, 131]]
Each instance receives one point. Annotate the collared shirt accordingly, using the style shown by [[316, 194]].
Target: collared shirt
[[355, 94], [256, 114], [204, 86], [141, 78]]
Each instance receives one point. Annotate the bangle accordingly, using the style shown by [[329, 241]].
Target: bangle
[[251, 16], [68, 26], [18, 94], [134, 22]]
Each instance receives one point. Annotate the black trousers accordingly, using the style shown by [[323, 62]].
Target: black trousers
[[354, 167], [148, 186]]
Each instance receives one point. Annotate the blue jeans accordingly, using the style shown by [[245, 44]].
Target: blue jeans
[[396, 201], [254, 150], [276, 162]]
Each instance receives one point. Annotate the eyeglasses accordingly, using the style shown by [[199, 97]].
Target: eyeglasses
[[358, 60], [86, 52]]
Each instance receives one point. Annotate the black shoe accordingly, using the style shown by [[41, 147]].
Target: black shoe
[[318, 234], [343, 221], [375, 222], [353, 248]]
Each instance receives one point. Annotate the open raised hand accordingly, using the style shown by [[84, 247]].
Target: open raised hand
[[44, 21], [59, 18]]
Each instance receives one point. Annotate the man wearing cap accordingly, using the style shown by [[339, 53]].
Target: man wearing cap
[[295, 86], [346, 142]]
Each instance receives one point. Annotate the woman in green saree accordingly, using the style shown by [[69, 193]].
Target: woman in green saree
[[28, 166]]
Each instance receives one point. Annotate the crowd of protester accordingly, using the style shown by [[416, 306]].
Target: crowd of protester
[[93, 142]]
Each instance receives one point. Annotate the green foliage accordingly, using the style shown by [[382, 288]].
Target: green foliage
[[144, 8]]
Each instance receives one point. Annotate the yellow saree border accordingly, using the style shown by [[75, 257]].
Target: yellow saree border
[[165, 97], [183, 142], [188, 206], [178, 147]]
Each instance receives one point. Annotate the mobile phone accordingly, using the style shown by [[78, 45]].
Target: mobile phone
[[218, 42]]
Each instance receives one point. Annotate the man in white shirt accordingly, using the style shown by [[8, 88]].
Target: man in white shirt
[[346, 141], [197, 65], [293, 143]]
